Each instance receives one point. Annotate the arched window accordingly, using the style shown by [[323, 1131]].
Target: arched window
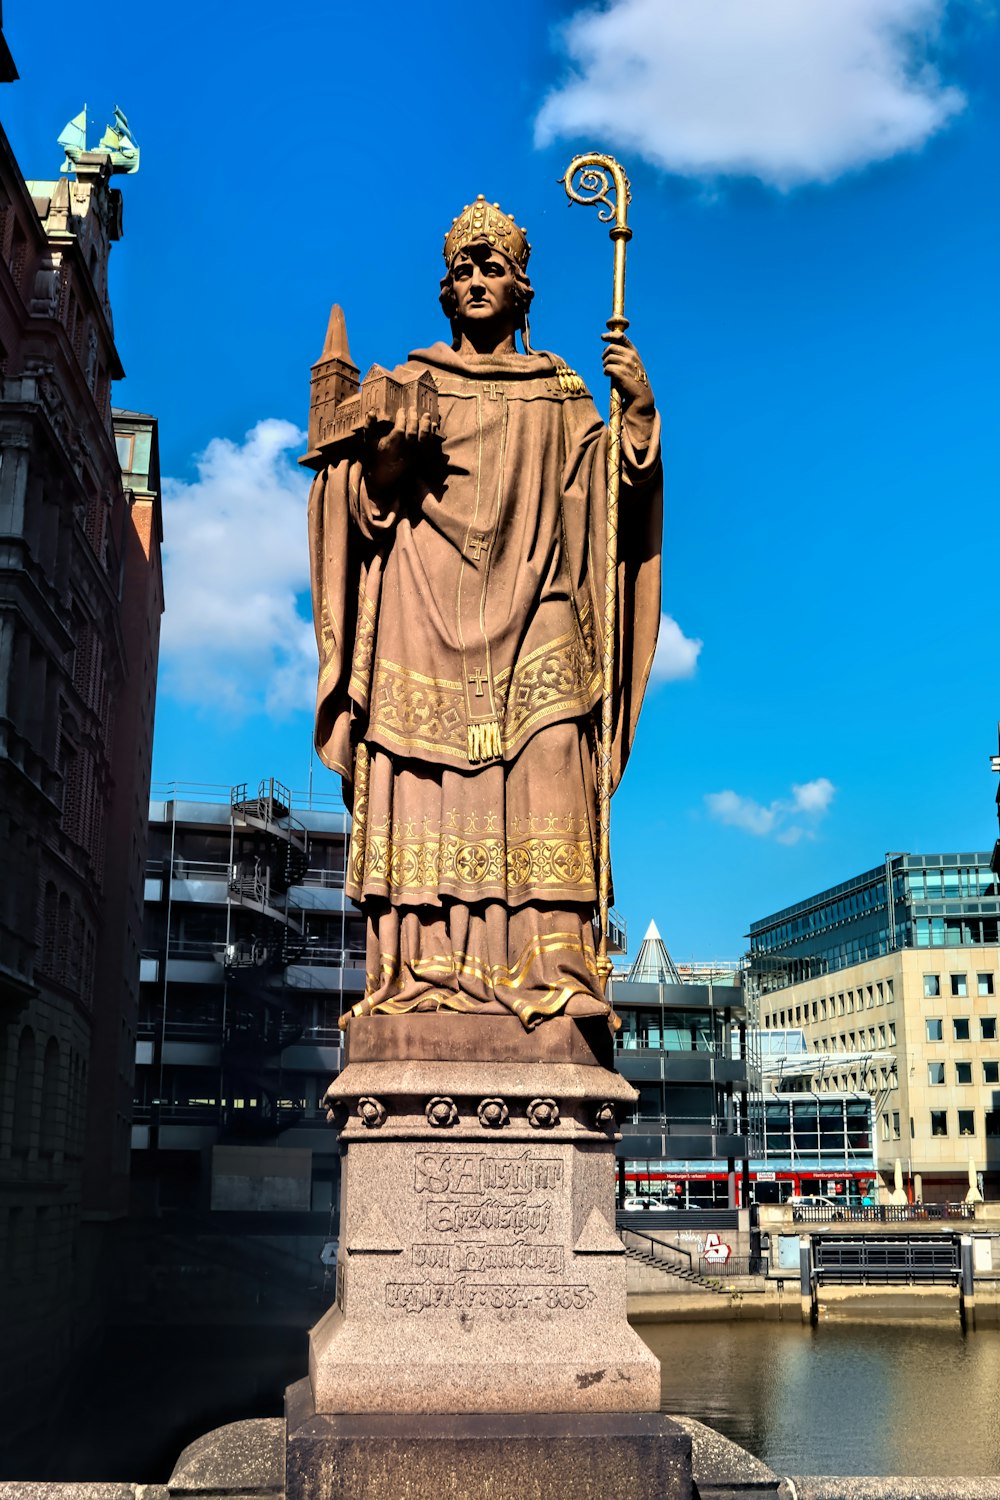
[[75, 951], [49, 928], [61, 966], [72, 1097], [23, 1131], [53, 1122]]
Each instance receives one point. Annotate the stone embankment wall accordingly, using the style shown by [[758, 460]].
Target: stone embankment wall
[[246, 1460]]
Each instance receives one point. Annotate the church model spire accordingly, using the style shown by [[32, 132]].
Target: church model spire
[[334, 379]]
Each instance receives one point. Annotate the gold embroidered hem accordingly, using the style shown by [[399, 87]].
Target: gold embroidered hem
[[412, 713], [516, 833], [456, 958]]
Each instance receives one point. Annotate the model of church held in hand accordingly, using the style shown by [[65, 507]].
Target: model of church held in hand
[[340, 406]]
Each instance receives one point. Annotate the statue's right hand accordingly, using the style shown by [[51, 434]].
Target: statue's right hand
[[392, 454]]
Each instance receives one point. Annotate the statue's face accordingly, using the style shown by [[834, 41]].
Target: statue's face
[[484, 285]]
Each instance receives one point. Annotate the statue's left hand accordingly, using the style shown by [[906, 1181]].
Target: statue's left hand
[[628, 374]]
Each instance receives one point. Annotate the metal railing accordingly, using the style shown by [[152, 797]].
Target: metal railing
[[682, 1125], [881, 1213], [325, 879], [906, 1261], [715, 1271], [220, 794], [736, 1265], [196, 869], [323, 956], [657, 1249]]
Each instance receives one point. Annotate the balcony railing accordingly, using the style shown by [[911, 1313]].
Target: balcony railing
[[880, 1213], [324, 956], [681, 1125], [326, 879]]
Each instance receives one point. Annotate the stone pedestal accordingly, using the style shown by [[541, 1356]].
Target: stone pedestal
[[588, 1456], [479, 1268], [479, 1344]]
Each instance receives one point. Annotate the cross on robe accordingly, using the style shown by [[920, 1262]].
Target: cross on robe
[[478, 541], [479, 678]]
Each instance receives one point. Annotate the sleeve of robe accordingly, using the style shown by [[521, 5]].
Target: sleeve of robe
[[348, 531], [640, 533], [335, 572]]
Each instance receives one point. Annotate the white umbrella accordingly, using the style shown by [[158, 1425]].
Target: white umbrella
[[973, 1195], [898, 1195]]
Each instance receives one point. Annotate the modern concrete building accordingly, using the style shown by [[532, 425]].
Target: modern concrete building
[[894, 978], [687, 1049], [251, 954], [810, 1141], [80, 601]]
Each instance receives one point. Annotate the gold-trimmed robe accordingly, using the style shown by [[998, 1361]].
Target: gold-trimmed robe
[[458, 623]]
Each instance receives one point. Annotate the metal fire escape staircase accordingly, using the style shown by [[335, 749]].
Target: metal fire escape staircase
[[260, 1020]]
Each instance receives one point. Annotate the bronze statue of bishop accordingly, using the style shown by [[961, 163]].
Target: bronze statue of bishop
[[457, 569]]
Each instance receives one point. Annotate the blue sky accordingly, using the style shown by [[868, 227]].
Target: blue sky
[[813, 284]]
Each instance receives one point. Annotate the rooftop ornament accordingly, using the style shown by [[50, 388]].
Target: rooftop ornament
[[116, 143]]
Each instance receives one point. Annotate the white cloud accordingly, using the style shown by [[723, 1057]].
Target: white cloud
[[813, 796], [676, 654], [786, 819], [235, 558], [790, 91]]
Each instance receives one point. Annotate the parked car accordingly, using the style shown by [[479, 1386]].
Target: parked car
[[822, 1208]]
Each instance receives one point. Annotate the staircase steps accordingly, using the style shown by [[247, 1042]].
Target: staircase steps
[[670, 1269]]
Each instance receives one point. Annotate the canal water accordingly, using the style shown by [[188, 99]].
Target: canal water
[[847, 1398], [843, 1398]]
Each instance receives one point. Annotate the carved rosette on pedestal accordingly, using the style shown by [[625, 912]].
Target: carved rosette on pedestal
[[479, 1268]]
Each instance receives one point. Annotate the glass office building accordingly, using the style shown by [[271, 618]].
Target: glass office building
[[909, 901], [893, 978]]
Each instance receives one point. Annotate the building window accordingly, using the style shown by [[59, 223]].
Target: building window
[[959, 985], [935, 1073], [961, 1025], [892, 1033], [939, 1122], [963, 1072], [988, 1028], [991, 1072], [885, 1127], [124, 443], [888, 989], [895, 1124], [935, 1031], [878, 990], [991, 1123], [932, 986], [984, 984], [966, 1122]]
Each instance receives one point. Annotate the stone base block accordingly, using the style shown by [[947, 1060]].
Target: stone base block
[[479, 1269], [486, 1456]]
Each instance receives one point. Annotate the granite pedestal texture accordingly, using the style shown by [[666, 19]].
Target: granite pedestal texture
[[479, 1344], [483, 1456], [479, 1269]]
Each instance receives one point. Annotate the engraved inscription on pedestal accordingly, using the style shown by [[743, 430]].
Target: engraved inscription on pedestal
[[491, 1232]]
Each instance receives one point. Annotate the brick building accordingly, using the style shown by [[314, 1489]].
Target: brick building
[[80, 604]]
